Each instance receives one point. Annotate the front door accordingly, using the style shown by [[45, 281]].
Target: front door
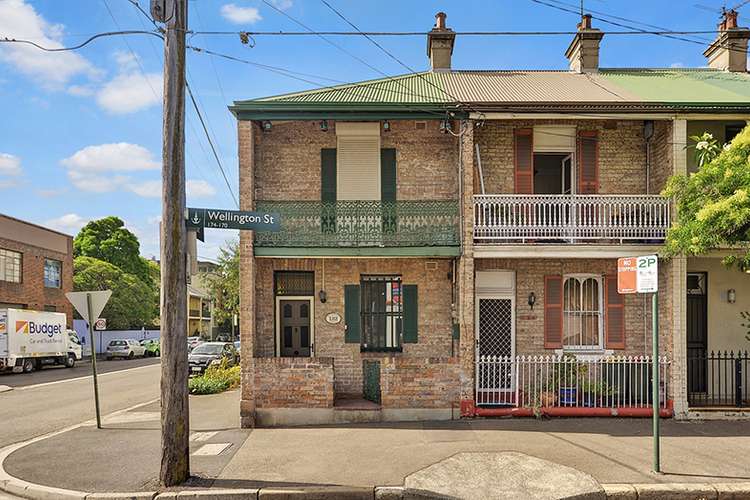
[[495, 350], [697, 332], [295, 327]]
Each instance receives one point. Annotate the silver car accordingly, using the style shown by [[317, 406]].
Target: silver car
[[124, 348]]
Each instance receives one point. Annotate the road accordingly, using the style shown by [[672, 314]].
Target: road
[[55, 398]]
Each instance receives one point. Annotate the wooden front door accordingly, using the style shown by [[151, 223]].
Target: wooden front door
[[295, 327], [697, 332]]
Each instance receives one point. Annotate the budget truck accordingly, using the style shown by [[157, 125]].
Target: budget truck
[[32, 339]]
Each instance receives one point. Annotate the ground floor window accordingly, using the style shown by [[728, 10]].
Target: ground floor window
[[381, 310], [582, 311]]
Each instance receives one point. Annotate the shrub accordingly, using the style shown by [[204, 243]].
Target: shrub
[[217, 378]]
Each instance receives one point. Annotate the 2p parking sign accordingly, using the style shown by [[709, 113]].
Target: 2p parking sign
[[638, 274]]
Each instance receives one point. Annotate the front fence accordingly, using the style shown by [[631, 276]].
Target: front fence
[[501, 218], [564, 381], [718, 378]]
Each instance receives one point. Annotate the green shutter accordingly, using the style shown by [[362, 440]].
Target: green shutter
[[351, 314], [328, 175], [411, 314], [388, 174]]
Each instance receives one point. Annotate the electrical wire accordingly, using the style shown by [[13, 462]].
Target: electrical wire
[[82, 44], [659, 31]]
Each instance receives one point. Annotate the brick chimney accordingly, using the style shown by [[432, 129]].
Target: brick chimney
[[729, 51], [583, 51], [440, 42]]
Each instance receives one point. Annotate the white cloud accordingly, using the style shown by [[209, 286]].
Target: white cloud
[[93, 183], [147, 189], [52, 69], [114, 157], [81, 90], [8, 183], [240, 15], [199, 189], [10, 165], [68, 223], [677, 65], [282, 4], [130, 92]]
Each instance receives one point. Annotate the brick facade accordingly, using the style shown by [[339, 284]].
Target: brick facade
[[293, 382], [420, 382], [31, 292]]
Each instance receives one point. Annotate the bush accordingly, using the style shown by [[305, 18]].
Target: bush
[[216, 379]]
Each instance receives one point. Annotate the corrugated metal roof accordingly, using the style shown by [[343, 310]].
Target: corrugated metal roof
[[609, 86]]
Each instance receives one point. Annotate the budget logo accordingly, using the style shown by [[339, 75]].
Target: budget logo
[[22, 327], [32, 328]]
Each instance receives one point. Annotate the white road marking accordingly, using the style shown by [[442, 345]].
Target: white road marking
[[202, 436], [99, 375], [211, 450], [133, 416]]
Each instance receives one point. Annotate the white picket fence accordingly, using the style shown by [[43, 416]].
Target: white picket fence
[[564, 381]]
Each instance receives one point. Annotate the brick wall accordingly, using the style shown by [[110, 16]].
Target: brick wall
[[31, 292], [661, 156], [293, 382], [530, 323], [435, 298], [288, 160], [420, 382], [622, 154]]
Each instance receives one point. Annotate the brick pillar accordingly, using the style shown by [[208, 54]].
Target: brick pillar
[[465, 307], [247, 133]]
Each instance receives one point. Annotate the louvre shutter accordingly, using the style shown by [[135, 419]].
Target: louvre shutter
[[523, 154], [588, 162], [388, 174], [351, 314], [328, 175], [553, 312], [614, 318], [411, 313]]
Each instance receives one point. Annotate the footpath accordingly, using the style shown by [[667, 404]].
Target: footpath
[[503, 458]]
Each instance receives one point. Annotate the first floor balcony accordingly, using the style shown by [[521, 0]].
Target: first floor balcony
[[521, 218], [361, 227]]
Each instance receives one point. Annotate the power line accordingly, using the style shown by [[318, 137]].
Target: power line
[[210, 142], [80, 45], [658, 31]]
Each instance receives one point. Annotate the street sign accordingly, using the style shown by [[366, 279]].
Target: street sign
[[233, 219], [98, 301], [638, 274], [100, 324]]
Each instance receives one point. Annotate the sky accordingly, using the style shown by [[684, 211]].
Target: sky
[[80, 133]]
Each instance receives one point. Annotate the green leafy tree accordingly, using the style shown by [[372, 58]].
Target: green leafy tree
[[714, 204], [107, 239], [223, 284], [133, 302]]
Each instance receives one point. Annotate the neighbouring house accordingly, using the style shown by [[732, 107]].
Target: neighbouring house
[[36, 267], [449, 242]]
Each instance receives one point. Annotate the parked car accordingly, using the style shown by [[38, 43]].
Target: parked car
[[152, 346], [237, 348], [124, 348], [222, 337], [192, 342], [211, 353]]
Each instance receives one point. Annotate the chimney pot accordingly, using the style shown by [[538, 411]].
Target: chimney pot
[[729, 51], [583, 51], [440, 42]]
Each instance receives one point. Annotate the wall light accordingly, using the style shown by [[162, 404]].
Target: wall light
[[532, 300], [731, 295], [266, 126], [323, 296], [386, 126], [324, 126]]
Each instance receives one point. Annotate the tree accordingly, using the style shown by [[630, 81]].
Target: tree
[[714, 203], [223, 284], [132, 305], [107, 239]]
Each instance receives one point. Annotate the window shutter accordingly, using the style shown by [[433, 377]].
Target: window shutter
[[328, 175], [523, 154], [351, 314], [614, 318], [411, 313], [588, 162], [388, 174], [553, 312]]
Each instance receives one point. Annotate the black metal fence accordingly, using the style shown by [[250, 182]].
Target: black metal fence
[[719, 378]]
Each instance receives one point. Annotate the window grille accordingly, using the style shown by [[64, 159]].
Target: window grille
[[299, 283], [382, 313], [582, 312]]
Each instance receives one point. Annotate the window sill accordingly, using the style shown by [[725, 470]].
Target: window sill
[[383, 350], [585, 354]]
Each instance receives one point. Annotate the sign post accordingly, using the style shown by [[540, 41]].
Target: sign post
[[90, 305], [641, 275]]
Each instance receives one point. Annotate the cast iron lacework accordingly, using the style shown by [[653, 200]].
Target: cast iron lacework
[[361, 224], [294, 283]]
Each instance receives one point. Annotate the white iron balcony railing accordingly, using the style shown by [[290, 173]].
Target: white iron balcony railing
[[503, 218], [564, 381]]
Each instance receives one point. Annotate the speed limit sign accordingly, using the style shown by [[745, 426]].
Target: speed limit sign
[[101, 324]]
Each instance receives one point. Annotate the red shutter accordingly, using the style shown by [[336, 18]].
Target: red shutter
[[588, 162], [523, 156], [614, 317], [553, 312]]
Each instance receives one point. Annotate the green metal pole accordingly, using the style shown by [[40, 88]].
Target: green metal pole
[[93, 361], [655, 376]]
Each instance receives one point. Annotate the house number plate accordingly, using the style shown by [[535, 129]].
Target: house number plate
[[333, 318]]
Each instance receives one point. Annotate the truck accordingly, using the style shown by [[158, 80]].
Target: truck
[[30, 340]]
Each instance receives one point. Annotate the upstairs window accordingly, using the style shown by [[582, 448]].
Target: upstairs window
[[358, 160], [52, 273], [10, 266]]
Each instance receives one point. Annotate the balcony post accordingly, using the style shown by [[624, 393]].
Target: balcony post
[[465, 282]]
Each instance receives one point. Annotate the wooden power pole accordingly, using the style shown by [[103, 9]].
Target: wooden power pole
[[175, 417]]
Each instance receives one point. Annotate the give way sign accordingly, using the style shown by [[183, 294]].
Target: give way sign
[[638, 274], [80, 302]]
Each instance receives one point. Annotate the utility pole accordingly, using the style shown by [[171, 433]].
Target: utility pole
[[175, 417]]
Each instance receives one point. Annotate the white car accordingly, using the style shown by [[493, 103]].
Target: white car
[[124, 348]]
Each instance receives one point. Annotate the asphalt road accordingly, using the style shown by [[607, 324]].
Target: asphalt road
[[43, 405], [82, 369]]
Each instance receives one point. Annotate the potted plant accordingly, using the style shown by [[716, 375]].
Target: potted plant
[[568, 374]]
